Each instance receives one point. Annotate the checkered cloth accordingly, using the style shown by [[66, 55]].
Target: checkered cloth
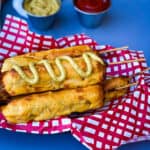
[[124, 120]]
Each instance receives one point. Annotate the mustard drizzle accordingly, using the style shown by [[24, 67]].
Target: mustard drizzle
[[61, 69]]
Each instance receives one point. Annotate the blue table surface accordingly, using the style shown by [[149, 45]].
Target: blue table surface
[[127, 23]]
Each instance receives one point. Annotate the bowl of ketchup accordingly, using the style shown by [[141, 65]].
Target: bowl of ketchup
[[91, 12]]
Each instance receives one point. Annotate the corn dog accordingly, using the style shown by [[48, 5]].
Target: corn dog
[[52, 74], [49, 105]]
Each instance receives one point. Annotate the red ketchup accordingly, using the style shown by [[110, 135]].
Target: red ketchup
[[92, 6]]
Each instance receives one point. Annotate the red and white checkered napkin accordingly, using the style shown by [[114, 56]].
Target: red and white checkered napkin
[[121, 121]]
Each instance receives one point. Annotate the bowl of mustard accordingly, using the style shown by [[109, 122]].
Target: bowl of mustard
[[41, 13]]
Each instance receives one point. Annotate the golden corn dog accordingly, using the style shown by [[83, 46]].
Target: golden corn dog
[[54, 69], [110, 87], [14, 84], [49, 105]]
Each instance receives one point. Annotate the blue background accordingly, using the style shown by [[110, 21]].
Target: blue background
[[127, 23]]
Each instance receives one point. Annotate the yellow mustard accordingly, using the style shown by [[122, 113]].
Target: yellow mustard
[[41, 7], [32, 68], [62, 71]]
